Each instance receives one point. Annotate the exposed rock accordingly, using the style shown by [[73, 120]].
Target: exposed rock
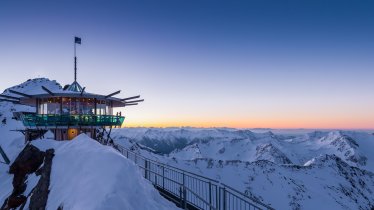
[[15, 201], [27, 162], [40, 193], [272, 153]]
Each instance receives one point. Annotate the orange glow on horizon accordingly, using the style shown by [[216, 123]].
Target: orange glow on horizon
[[255, 124]]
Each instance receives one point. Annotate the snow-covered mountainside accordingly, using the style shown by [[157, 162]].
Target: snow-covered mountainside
[[87, 175], [325, 183], [10, 140], [301, 171], [84, 173]]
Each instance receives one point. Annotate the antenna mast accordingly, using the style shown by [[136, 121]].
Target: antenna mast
[[77, 40], [75, 64]]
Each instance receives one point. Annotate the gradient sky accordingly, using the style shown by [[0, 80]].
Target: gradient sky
[[245, 64]]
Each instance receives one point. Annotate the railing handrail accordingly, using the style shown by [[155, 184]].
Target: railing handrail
[[229, 189], [187, 188], [169, 166]]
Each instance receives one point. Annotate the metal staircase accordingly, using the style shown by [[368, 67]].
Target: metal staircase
[[188, 190]]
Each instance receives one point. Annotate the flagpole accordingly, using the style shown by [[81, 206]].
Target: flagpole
[[75, 61]]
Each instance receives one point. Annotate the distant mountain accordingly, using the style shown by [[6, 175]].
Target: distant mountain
[[245, 145], [327, 182], [321, 169]]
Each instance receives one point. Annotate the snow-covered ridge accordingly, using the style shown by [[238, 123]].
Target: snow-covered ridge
[[245, 145], [34, 86]]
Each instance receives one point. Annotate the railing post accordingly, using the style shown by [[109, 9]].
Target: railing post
[[183, 179], [184, 191], [184, 198], [217, 197], [163, 177], [224, 198], [180, 196], [145, 169], [210, 195]]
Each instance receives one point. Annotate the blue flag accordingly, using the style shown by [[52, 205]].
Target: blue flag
[[78, 40]]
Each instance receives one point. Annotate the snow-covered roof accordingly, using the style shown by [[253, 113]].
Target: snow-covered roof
[[38, 88]]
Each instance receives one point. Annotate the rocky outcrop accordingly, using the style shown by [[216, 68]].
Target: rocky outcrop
[[40, 193], [271, 153], [27, 162], [30, 161]]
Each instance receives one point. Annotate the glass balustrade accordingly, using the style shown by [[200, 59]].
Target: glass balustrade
[[31, 120]]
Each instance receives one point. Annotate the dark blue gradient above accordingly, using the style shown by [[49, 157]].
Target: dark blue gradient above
[[249, 63]]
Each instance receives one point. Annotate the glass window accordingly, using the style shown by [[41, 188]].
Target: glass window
[[100, 107], [65, 105], [74, 106], [40, 106], [53, 105], [109, 110], [49, 106], [88, 106]]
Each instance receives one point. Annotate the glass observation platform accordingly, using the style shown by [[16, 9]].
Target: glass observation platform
[[70, 111], [58, 120]]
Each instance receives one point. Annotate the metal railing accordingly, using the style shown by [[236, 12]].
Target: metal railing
[[189, 190]]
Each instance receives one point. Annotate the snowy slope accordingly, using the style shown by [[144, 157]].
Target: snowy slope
[[87, 175]]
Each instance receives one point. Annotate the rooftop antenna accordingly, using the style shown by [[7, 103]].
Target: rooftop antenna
[[77, 40]]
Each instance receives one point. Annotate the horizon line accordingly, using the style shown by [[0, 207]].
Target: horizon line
[[245, 128]]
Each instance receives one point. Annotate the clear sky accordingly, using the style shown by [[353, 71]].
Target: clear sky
[[245, 64]]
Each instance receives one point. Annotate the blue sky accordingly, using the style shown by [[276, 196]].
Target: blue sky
[[284, 64]]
